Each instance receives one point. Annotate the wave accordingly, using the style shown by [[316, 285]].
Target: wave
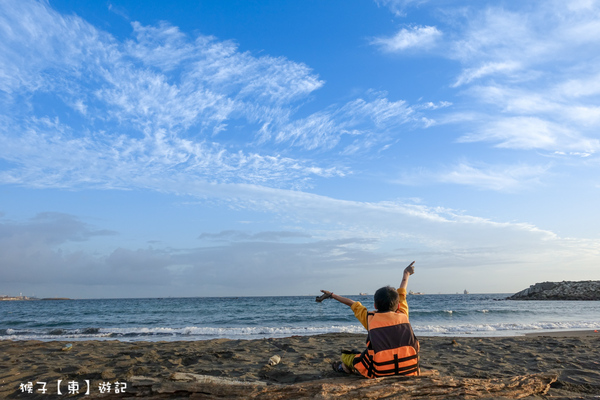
[[254, 332], [166, 333], [501, 328], [445, 312]]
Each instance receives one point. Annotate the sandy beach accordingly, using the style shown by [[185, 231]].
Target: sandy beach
[[573, 358]]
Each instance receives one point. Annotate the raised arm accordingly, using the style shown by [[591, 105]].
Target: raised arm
[[339, 298], [408, 271]]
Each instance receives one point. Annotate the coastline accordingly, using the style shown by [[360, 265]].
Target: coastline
[[565, 334], [571, 356]]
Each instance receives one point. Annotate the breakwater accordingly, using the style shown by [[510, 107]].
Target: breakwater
[[565, 290]]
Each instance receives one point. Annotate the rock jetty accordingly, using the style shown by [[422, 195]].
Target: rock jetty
[[565, 290]]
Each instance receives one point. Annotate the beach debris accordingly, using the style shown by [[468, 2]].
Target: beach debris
[[455, 343], [274, 360], [67, 347], [428, 386], [203, 379]]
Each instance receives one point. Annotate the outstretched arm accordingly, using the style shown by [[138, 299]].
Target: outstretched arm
[[360, 311], [339, 298], [408, 271]]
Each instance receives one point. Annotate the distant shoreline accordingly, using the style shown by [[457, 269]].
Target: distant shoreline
[[25, 298]]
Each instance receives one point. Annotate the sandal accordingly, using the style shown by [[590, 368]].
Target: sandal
[[323, 297], [339, 366]]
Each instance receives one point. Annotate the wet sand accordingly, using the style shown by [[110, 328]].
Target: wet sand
[[574, 357]]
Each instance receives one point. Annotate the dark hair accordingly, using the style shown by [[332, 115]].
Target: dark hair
[[386, 299]]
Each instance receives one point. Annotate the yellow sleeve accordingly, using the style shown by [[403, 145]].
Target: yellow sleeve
[[360, 312], [402, 304]]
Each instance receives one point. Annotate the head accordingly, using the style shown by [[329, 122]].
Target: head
[[386, 299]]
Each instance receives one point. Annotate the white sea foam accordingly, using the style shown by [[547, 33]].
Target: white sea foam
[[186, 333], [500, 329], [204, 333]]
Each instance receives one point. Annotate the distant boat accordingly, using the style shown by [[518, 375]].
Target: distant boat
[[363, 294], [416, 293], [466, 291]]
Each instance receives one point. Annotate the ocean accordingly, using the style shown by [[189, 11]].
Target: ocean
[[202, 318]]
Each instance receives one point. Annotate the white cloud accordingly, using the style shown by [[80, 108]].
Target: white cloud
[[357, 118], [163, 46], [138, 116], [419, 37], [583, 86], [499, 178], [529, 73], [469, 75], [519, 133], [162, 104]]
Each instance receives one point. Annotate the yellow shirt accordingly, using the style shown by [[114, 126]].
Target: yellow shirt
[[360, 311]]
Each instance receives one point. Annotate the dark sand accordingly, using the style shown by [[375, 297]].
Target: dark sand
[[573, 356]]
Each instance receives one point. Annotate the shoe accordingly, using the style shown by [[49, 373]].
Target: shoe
[[339, 366], [323, 297]]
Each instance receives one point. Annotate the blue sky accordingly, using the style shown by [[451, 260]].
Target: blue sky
[[205, 148]]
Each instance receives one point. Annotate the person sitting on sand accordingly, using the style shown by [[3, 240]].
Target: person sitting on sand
[[392, 347]]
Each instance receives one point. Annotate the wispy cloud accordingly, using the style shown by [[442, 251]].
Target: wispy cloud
[[358, 121], [501, 178], [471, 74], [161, 104], [416, 37], [533, 133], [529, 73]]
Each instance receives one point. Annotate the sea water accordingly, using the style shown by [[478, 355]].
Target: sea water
[[201, 318]]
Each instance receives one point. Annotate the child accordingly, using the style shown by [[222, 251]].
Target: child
[[392, 348]]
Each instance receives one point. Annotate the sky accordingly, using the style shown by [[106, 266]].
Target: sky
[[254, 148]]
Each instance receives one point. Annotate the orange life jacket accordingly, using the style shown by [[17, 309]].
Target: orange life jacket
[[392, 347]]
